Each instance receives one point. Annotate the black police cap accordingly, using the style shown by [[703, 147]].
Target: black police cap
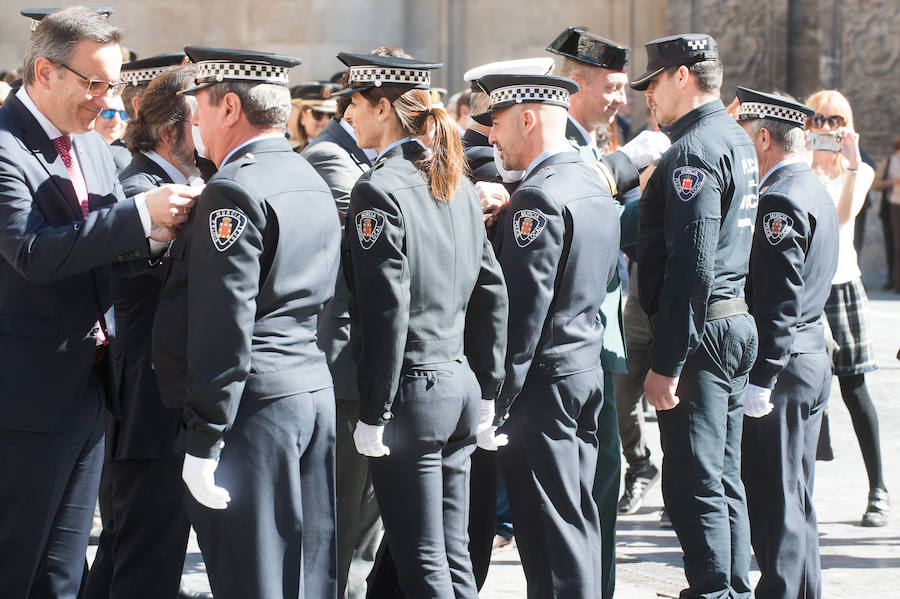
[[675, 50], [37, 14], [215, 65], [760, 105], [509, 90], [143, 71], [580, 44], [368, 71]]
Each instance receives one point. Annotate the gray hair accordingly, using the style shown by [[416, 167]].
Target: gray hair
[[708, 75], [266, 105], [789, 137], [59, 32]]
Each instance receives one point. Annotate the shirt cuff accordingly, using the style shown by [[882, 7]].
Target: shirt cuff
[[140, 202]]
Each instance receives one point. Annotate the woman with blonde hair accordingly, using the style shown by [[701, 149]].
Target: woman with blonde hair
[[836, 160], [430, 312]]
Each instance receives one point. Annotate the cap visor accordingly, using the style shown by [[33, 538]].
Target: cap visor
[[643, 82], [195, 88]]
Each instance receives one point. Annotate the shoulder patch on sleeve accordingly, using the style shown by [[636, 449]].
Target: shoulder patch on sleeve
[[776, 226], [225, 226], [688, 181], [369, 225], [527, 226]]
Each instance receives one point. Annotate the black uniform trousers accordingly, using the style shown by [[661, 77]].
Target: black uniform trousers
[[276, 537], [607, 479], [142, 546], [423, 485], [779, 457], [548, 467], [701, 443], [48, 489]]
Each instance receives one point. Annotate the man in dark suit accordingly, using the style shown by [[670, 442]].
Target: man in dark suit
[[558, 244], [141, 550], [792, 262], [63, 220], [339, 161], [257, 394]]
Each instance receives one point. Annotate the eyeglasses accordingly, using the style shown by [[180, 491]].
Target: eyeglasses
[[318, 115], [818, 121], [108, 113], [98, 87]]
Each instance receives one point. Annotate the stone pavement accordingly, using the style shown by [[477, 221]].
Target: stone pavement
[[856, 561]]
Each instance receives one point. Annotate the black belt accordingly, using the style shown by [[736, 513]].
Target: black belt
[[725, 308]]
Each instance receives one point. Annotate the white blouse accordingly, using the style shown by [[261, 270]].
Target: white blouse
[[848, 267]]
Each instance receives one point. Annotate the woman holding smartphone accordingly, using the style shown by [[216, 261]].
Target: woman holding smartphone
[[429, 318], [836, 161]]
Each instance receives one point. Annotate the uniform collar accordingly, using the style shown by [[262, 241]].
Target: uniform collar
[[793, 159], [400, 142], [677, 129], [49, 128], [542, 157], [237, 148], [578, 134], [175, 175], [475, 138]]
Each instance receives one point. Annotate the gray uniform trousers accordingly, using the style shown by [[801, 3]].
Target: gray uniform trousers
[[629, 386], [778, 469]]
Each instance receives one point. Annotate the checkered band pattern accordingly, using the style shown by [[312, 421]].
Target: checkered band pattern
[[697, 44], [757, 110], [381, 75], [238, 71], [140, 76], [529, 93]]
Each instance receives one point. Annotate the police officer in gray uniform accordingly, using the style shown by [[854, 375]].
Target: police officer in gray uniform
[[696, 219], [429, 312], [557, 243], [792, 263], [256, 390]]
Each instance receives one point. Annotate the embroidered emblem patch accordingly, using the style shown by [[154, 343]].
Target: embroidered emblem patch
[[369, 225], [688, 181], [225, 226], [527, 226], [776, 226]]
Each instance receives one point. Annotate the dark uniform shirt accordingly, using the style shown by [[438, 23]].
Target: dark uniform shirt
[[558, 244], [264, 243], [792, 263], [696, 220], [479, 157], [433, 291]]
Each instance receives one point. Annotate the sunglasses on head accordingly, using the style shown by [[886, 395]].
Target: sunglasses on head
[[108, 113], [819, 120]]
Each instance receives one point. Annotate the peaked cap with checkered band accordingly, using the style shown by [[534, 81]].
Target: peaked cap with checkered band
[[145, 70], [37, 14], [215, 65], [368, 71], [673, 51], [509, 90], [760, 105]]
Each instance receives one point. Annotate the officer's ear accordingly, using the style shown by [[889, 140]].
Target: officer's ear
[[527, 120], [232, 109], [382, 108], [765, 139], [682, 75]]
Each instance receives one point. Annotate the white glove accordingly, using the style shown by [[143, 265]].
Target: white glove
[[486, 433], [756, 401], [646, 148], [368, 440], [198, 475]]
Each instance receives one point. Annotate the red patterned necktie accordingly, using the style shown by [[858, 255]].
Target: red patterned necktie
[[63, 145]]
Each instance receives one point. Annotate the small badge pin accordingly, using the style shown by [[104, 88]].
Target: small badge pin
[[369, 225], [776, 226], [527, 226], [688, 181], [225, 226]]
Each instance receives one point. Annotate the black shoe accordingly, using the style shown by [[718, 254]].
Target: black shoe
[[637, 482], [664, 521], [878, 509], [186, 593]]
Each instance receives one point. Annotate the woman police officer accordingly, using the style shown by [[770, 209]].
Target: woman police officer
[[429, 315]]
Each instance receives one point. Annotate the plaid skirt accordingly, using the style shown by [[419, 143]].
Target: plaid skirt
[[847, 311]]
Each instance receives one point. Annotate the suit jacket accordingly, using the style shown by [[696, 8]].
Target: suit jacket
[[792, 262], [54, 274], [558, 244], [479, 157], [121, 155], [145, 429], [340, 162], [428, 288], [263, 257]]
